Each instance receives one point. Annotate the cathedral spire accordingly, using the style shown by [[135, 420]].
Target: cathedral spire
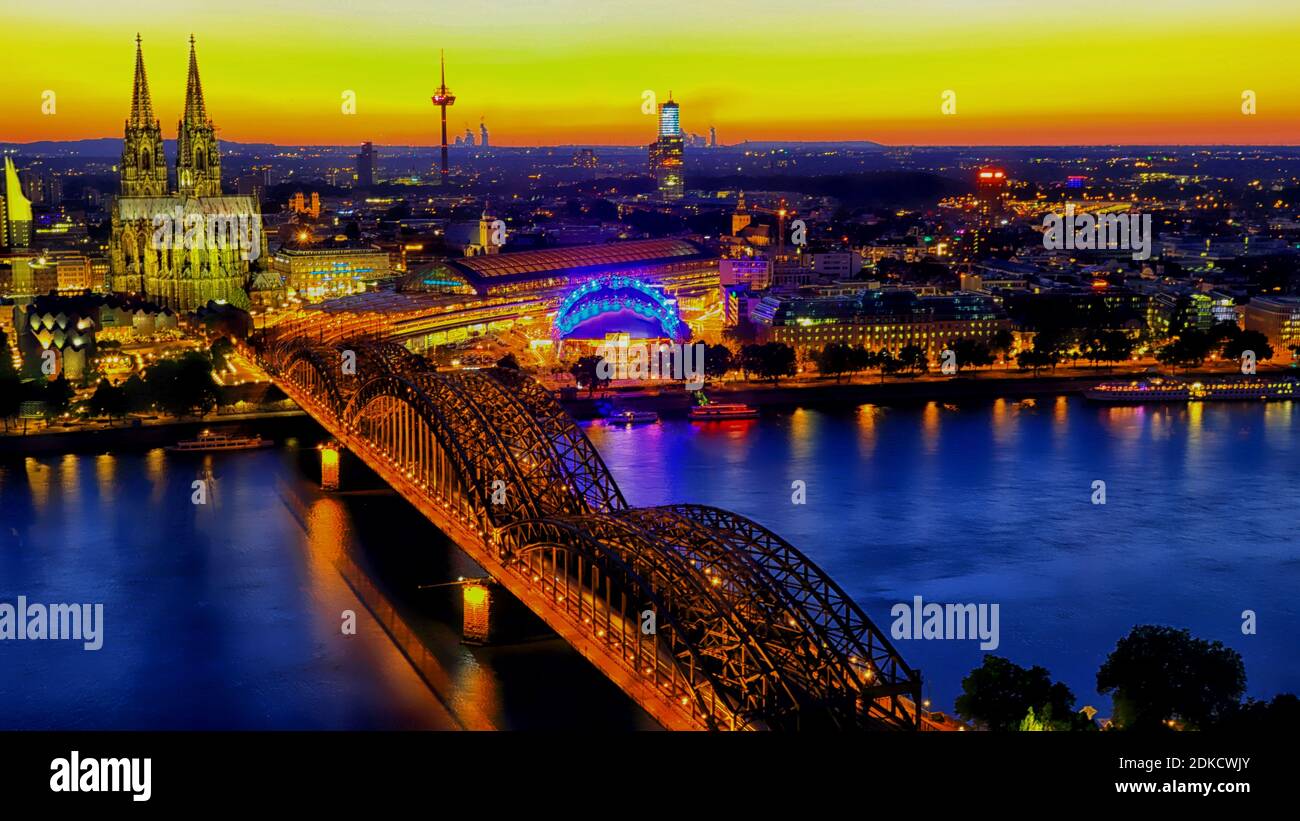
[[195, 110], [141, 104], [198, 158]]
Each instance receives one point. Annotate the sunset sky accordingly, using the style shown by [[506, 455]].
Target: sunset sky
[[573, 71]]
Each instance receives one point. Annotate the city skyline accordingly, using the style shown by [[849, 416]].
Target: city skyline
[[1022, 75]]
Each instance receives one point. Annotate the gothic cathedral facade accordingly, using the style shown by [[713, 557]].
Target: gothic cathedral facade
[[162, 244]]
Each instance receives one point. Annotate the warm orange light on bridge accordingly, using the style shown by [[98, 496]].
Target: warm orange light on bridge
[[329, 467], [475, 624]]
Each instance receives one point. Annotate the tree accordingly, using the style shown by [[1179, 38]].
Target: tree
[[888, 363], [1000, 695], [1116, 346], [1159, 673], [586, 372], [1279, 716], [108, 400], [220, 352], [1243, 341], [1002, 343], [971, 353], [771, 360], [509, 363], [1036, 360], [913, 358], [57, 395], [718, 361], [184, 385], [834, 359], [775, 360], [7, 368], [136, 394], [862, 358]]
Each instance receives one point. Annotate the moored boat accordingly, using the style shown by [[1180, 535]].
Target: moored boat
[[631, 417], [715, 411], [207, 442], [1165, 389]]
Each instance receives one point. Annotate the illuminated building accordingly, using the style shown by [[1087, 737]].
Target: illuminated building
[[1278, 318], [670, 262], [991, 195], [618, 305], [755, 272], [298, 204], [990, 207], [740, 218], [366, 166], [443, 98], [880, 319], [73, 273], [666, 153], [17, 210], [1170, 313], [191, 265], [315, 273]]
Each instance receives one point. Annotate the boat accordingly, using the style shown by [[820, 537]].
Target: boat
[[631, 417], [715, 411], [208, 442], [1165, 389], [1147, 389]]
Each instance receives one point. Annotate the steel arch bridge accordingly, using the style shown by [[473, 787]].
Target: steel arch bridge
[[748, 632]]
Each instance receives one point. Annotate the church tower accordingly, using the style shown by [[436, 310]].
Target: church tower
[[198, 163], [143, 169]]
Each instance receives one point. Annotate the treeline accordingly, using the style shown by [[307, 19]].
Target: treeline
[[1158, 678]]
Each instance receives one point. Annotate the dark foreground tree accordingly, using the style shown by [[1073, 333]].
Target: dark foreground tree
[[1157, 673], [999, 694]]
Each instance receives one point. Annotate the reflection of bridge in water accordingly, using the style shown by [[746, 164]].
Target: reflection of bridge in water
[[748, 633]]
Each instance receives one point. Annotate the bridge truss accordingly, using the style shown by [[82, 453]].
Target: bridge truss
[[705, 618]]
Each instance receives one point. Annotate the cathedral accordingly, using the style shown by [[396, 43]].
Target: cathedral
[[180, 249]]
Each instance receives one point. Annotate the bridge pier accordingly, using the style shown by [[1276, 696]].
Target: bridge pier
[[329, 465], [476, 619]]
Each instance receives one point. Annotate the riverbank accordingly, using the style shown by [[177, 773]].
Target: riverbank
[[152, 433], [896, 391]]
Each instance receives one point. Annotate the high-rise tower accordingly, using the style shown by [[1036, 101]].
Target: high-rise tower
[[198, 161], [17, 214], [443, 98], [144, 170], [666, 152]]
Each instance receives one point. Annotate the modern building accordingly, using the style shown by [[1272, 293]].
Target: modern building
[[666, 153], [1278, 318], [880, 319], [209, 243], [315, 273], [674, 263], [17, 215], [366, 166]]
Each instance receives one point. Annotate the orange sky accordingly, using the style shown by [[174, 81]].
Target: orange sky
[[574, 71]]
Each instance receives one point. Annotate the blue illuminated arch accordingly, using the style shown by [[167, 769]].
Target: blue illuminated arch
[[611, 294]]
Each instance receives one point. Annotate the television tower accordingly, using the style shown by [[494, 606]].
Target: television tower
[[443, 98]]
